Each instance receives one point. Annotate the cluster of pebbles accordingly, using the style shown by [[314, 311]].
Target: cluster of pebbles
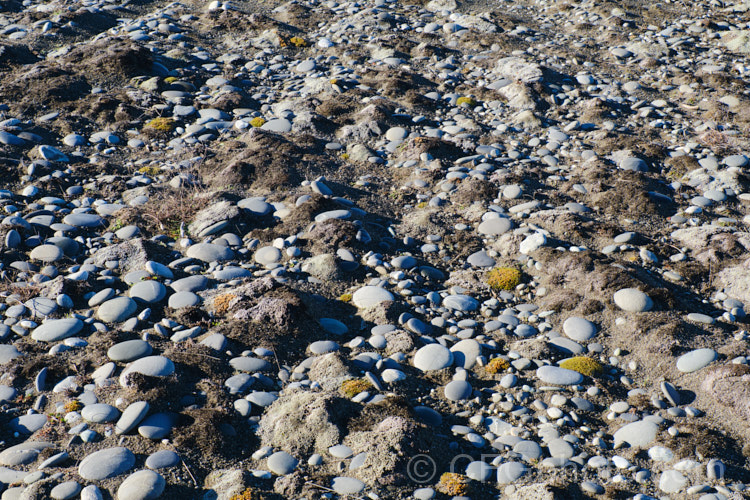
[[324, 249]]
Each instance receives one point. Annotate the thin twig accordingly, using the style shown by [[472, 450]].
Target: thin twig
[[195, 483], [276, 358], [309, 483]]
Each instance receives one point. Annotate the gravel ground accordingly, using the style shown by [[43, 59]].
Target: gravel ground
[[378, 249]]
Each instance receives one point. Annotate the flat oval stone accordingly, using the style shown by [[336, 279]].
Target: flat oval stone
[[133, 414], [347, 485], [10, 140], [261, 398], [695, 360], [66, 490], [232, 273], [184, 299], [162, 459], [106, 463], [151, 366], [129, 350], [267, 256], [566, 346], [250, 365], [433, 357], [142, 485], [480, 259], [46, 253], [672, 481], [633, 164], [479, 471], [579, 329], [282, 463], [91, 492], [701, 318], [117, 310], [465, 353], [660, 454], [509, 472], [22, 454], [54, 460], [559, 448], [278, 125], [633, 300], [529, 450], [323, 347], [99, 413], [369, 296], [210, 252], [637, 434], [101, 296], [41, 307], [195, 283], [8, 353], [458, 390], [495, 226], [239, 383], [7, 393], [670, 392], [461, 302], [27, 424], [84, 220], [148, 291], [256, 206], [558, 376], [404, 262], [215, 341], [158, 269], [396, 134], [157, 426], [333, 214], [57, 329], [333, 326]]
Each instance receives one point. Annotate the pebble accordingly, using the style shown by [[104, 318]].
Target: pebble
[[370, 296], [162, 459], [152, 366], [116, 310], [141, 485], [347, 485], [633, 300], [558, 376], [99, 413], [579, 329], [478, 471], [495, 226], [57, 329], [149, 292], [433, 357], [458, 390], [106, 463], [670, 392], [672, 481], [210, 252], [510, 472], [461, 303], [129, 350], [157, 426], [46, 253], [637, 434], [532, 243], [343, 187], [63, 491], [133, 414], [282, 463]]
